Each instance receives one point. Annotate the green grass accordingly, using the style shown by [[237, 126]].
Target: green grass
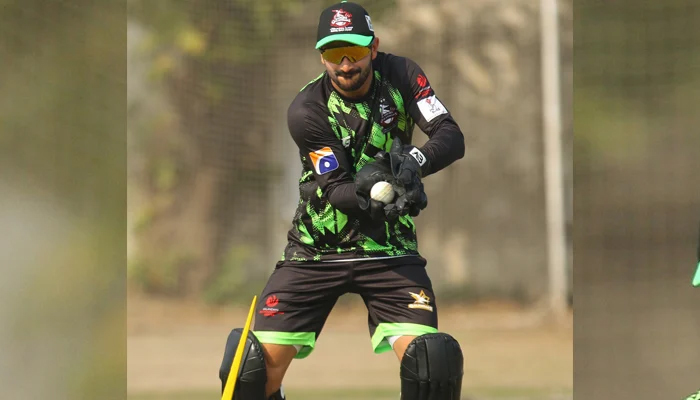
[[369, 394]]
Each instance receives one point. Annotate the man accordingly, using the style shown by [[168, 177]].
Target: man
[[353, 125]]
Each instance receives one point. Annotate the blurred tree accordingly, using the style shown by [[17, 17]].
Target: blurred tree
[[62, 189], [207, 165], [66, 54], [628, 69]]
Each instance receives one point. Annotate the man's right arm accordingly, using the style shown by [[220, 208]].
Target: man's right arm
[[325, 155]]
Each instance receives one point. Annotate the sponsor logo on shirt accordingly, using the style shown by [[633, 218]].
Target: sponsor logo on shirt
[[423, 92], [431, 107], [388, 113], [324, 160]]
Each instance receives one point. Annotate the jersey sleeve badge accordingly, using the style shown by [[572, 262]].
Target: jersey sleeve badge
[[431, 107], [324, 160]]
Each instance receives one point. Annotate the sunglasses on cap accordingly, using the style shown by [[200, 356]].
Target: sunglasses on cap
[[353, 53]]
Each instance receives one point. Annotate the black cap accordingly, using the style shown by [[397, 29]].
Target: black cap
[[346, 22]]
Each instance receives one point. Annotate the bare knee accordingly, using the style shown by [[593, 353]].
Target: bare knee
[[401, 344], [277, 360]]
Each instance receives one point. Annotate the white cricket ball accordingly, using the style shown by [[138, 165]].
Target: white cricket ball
[[383, 192]]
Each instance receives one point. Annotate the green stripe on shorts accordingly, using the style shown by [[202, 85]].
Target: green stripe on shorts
[[305, 339], [385, 330]]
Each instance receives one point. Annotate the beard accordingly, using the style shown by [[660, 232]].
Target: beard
[[353, 80]]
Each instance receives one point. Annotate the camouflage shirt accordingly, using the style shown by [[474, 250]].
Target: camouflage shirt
[[335, 140]]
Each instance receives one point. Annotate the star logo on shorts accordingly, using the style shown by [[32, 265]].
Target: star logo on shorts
[[422, 301]]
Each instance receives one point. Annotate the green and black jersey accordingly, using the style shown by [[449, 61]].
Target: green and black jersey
[[336, 136]]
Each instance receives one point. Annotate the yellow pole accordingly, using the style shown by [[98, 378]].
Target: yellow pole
[[236, 364]]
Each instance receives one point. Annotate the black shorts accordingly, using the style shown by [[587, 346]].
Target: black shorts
[[296, 301]]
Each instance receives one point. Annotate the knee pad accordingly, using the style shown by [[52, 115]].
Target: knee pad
[[252, 377], [432, 368]]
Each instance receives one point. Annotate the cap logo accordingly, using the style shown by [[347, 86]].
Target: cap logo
[[341, 19], [369, 23]]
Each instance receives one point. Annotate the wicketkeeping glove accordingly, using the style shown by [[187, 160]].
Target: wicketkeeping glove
[[407, 171], [376, 171]]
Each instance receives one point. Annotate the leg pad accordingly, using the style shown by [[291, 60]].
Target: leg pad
[[253, 375], [432, 368]]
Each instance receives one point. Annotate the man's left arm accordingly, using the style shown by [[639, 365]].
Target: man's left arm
[[446, 141]]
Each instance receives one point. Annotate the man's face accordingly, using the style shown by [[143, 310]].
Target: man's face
[[350, 76]]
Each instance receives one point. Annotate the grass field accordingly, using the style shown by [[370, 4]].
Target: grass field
[[378, 394], [174, 352]]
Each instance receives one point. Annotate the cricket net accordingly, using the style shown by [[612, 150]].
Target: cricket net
[[636, 187]]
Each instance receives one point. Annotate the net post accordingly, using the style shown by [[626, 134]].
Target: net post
[[553, 164]]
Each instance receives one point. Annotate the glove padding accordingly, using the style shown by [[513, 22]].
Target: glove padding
[[407, 173]]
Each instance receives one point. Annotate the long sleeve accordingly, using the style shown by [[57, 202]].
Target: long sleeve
[[446, 141]]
